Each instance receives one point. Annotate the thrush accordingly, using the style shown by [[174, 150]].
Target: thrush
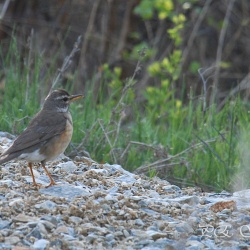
[[47, 135]]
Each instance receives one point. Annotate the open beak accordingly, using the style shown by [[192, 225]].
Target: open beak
[[73, 98]]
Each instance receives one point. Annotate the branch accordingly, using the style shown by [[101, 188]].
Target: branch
[[66, 63], [220, 48], [164, 161]]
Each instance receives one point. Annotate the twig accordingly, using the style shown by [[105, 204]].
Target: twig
[[131, 81], [124, 31], [66, 63], [89, 31], [135, 143], [162, 161], [86, 137], [194, 31], [204, 80], [243, 85], [122, 116], [220, 48], [160, 167], [109, 142], [208, 146], [30, 44], [4, 9], [221, 134]]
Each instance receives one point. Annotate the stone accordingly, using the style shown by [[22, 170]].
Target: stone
[[12, 240], [35, 233], [4, 224], [46, 206], [24, 218], [41, 244], [64, 191], [68, 166]]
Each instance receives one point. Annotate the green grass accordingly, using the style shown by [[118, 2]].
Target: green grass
[[191, 147]]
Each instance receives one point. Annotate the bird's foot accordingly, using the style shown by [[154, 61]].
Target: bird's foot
[[37, 185], [52, 183]]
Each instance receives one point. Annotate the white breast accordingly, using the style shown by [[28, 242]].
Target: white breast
[[32, 157]]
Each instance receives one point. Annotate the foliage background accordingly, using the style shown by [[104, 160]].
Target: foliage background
[[160, 77], [113, 30]]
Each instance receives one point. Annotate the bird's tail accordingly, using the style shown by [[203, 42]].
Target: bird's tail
[[6, 158]]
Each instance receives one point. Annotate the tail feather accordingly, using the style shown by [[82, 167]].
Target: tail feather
[[6, 158]]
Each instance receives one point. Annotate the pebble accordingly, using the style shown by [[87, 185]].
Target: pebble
[[41, 244], [103, 206], [4, 224], [46, 206], [65, 191], [11, 240], [68, 167]]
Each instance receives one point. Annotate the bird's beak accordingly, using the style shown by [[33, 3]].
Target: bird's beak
[[73, 98]]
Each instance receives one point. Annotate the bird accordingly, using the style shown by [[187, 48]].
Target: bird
[[47, 135]]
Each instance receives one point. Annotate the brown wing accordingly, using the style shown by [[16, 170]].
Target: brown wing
[[39, 131]]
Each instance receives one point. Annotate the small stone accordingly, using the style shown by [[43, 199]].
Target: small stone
[[24, 218], [56, 243], [50, 218], [155, 235], [32, 224], [9, 183], [41, 228], [16, 202], [92, 237], [171, 189], [65, 191], [65, 230], [113, 190], [5, 246], [4, 224], [12, 240], [76, 245], [184, 227], [35, 233], [125, 179], [48, 225], [68, 166], [109, 237], [139, 222], [194, 245], [109, 197], [41, 244], [126, 233], [149, 211], [190, 200], [101, 171], [46, 206], [75, 219]]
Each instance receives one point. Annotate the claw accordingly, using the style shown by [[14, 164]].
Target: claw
[[37, 185], [52, 183]]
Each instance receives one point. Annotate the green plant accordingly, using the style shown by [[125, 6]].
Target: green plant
[[19, 100], [161, 136]]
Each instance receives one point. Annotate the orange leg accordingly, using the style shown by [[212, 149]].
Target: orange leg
[[32, 175], [52, 182]]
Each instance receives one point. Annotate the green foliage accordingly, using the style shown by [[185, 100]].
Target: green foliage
[[160, 99], [146, 8], [19, 101], [198, 148], [165, 10], [168, 67], [135, 55]]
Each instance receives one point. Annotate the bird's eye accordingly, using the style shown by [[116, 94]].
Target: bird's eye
[[65, 99]]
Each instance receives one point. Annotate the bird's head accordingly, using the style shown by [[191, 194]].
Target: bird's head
[[59, 100]]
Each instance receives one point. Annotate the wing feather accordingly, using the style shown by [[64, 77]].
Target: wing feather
[[39, 131]]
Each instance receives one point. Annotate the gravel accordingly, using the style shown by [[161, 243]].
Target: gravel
[[103, 206]]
